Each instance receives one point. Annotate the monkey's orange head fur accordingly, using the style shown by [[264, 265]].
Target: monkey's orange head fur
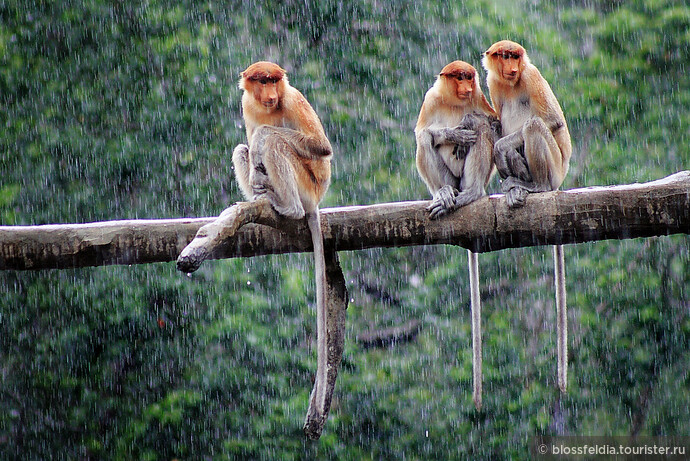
[[506, 59], [266, 81], [460, 79]]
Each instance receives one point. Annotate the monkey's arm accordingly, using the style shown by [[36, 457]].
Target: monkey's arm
[[304, 145], [513, 141], [465, 134], [458, 135], [542, 99]]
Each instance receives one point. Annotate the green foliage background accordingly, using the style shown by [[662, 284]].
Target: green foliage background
[[113, 110]]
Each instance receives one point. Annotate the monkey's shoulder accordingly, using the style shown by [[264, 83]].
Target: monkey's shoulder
[[295, 101], [300, 115]]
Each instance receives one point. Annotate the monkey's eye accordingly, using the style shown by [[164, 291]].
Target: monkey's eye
[[509, 55], [263, 80]]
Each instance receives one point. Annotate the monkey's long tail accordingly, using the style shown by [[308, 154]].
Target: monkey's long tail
[[561, 316], [476, 314], [319, 394]]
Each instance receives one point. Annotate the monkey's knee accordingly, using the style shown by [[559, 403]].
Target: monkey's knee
[[262, 132], [485, 131], [240, 159], [240, 153], [240, 162], [535, 126], [502, 147], [263, 139]]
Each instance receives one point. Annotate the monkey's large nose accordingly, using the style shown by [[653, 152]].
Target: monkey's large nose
[[466, 93]]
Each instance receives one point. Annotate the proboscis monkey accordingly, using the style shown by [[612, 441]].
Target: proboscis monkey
[[455, 135], [288, 160], [534, 152]]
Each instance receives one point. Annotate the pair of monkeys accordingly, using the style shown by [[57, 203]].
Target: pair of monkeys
[[460, 138]]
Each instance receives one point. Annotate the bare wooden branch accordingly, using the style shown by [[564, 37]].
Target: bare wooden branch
[[389, 336], [212, 235], [580, 215]]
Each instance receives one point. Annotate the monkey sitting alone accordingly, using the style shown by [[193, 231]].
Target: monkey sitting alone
[[287, 159]]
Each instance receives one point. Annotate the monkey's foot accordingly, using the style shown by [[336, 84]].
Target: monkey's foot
[[443, 202], [516, 197], [467, 196], [509, 183]]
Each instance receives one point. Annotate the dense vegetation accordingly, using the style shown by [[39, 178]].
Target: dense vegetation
[[112, 110]]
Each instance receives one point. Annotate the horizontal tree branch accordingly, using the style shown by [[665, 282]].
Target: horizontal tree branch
[[389, 336], [580, 215]]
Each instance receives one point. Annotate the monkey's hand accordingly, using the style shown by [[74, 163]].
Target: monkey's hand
[[461, 135], [496, 128], [460, 151], [457, 135], [443, 202], [472, 121]]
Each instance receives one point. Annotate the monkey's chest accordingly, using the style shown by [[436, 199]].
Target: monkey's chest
[[448, 118], [514, 113]]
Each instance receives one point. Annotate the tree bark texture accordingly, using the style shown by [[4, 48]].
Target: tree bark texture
[[580, 215]]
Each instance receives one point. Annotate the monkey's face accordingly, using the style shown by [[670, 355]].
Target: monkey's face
[[506, 59], [458, 79], [508, 64], [266, 92], [459, 86], [266, 82], [464, 86]]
